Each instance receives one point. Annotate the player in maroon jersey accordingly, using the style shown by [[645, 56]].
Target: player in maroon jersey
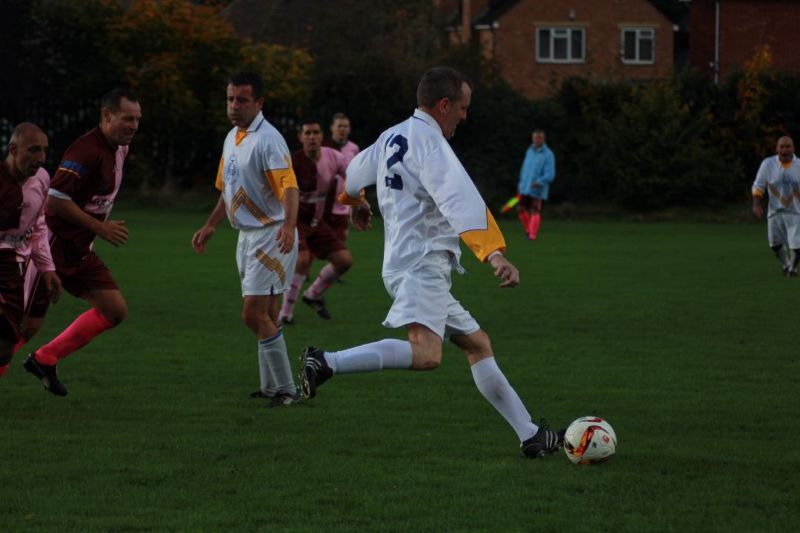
[[23, 232], [82, 193]]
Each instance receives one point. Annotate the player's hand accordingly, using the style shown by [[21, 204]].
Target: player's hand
[[286, 238], [53, 284], [758, 211], [114, 231], [504, 270], [361, 216], [201, 237]]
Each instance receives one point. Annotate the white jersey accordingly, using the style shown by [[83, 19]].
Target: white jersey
[[782, 183], [426, 197], [254, 171]]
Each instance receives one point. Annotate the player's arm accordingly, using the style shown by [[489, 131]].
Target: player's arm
[[548, 169], [113, 231], [291, 205], [362, 172], [42, 259], [759, 186], [202, 236]]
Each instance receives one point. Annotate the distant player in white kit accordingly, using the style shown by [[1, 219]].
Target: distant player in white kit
[[259, 194], [780, 176], [428, 202]]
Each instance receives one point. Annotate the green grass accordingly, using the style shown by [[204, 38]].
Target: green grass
[[683, 336]]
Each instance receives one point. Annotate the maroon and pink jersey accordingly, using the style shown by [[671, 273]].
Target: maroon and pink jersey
[[349, 150], [90, 174], [317, 181], [22, 225]]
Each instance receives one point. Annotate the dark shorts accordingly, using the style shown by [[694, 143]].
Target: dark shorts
[[320, 240], [90, 275], [12, 295], [530, 203], [339, 224]]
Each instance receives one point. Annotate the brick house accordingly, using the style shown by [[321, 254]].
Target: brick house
[[744, 27], [537, 44]]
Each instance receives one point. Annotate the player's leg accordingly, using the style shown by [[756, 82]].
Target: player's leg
[[535, 218], [304, 260], [493, 385], [792, 244], [339, 262], [264, 279], [12, 296], [423, 317], [523, 212], [275, 371], [777, 237], [108, 310]]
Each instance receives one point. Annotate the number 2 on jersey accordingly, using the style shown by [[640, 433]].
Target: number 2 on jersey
[[395, 181]]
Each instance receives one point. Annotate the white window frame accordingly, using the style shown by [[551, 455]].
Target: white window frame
[[569, 31], [638, 40]]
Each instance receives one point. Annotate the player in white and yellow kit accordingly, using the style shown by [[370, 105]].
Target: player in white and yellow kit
[[779, 175], [428, 203], [260, 197]]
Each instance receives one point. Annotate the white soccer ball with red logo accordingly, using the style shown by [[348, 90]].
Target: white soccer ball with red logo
[[590, 440]]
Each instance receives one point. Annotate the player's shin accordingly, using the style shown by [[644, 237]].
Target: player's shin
[[494, 386], [384, 354], [273, 351]]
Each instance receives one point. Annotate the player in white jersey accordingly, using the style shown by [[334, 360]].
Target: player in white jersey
[[259, 194], [780, 176], [428, 203]]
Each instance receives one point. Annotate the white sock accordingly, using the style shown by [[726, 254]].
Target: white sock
[[388, 353], [495, 387], [267, 384], [273, 351]]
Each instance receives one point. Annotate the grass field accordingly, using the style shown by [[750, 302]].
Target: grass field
[[684, 336]]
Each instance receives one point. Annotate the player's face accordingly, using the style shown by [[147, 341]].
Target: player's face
[[242, 105], [120, 126], [311, 138], [340, 129], [538, 139], [29, 153], [456, 112], [785, 149]]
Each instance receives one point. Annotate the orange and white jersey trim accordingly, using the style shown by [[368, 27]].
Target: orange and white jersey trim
[[254, 172]]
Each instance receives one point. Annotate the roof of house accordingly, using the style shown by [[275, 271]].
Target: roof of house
[[674, 10]]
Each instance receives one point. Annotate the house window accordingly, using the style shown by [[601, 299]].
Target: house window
[[638, 46], [560, 45]]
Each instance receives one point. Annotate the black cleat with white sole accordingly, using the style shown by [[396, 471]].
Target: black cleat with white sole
[[314, 371]]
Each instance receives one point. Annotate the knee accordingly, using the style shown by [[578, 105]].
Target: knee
[[426, 358], [342, 263], [116, 314], [250, 319]]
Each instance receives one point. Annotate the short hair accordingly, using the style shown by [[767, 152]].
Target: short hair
[[339, 116], [112, 100], [305, 121], [248, 77], [22, 130], [438, 83]]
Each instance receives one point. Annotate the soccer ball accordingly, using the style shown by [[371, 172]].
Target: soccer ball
[[590, 440]]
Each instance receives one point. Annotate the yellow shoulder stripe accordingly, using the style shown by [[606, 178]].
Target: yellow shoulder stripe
[[280, 180]]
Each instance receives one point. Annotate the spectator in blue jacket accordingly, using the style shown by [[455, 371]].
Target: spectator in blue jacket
[[537, 173]]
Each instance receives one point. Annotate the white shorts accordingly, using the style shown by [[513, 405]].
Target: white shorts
[[263, 269], [422, 296], [784, 228]]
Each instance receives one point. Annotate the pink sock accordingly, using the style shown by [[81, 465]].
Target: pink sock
[[20, 344], [325, 279], [3, 369], [290, 296], [533, 226], [525, 219], [86, 327]]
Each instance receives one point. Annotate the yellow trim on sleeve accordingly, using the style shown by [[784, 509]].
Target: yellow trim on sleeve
[[220, 171], [483, 242], [758, 192], [280, 180], [346, 199]]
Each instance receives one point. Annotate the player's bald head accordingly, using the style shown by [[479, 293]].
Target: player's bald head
[[26, 132]]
